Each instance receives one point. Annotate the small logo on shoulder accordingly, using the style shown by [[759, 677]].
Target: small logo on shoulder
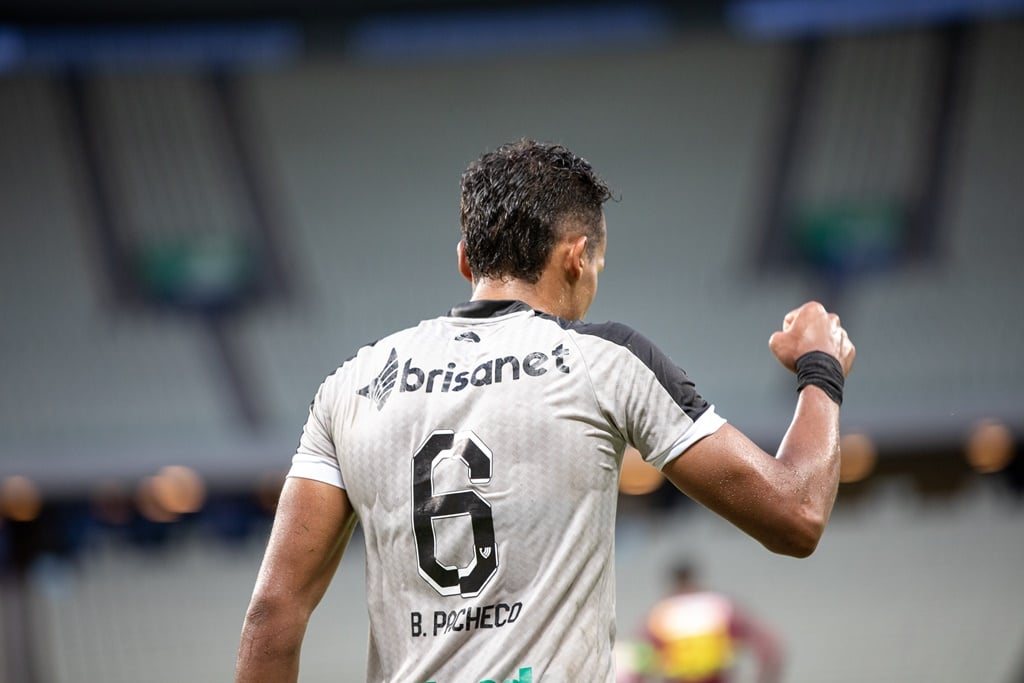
[[379, 389], [468, 336]]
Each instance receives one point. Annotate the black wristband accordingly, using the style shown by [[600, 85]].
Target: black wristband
[[817, 368]]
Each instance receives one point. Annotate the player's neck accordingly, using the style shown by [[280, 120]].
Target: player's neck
[[545, 295]]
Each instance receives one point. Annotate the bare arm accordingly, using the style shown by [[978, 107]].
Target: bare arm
[[784, 502], [313, 525]]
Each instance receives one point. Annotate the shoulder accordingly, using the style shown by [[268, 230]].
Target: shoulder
[[614, 334], [378, 349], [374, 357], [636, 356]]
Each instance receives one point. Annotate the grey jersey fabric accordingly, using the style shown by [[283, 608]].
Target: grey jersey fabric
[[481, 452]]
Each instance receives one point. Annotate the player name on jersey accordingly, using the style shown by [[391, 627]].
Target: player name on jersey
[[466, 619]]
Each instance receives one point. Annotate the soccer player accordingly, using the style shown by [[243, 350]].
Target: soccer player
[[696, 634], [480, 452]]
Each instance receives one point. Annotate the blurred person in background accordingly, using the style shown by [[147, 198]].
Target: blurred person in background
[[696, 635], [480, 452]]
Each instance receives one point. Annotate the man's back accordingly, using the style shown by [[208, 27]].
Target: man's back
[[481, 454]]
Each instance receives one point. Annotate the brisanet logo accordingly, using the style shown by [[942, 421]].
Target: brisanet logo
[[452, 378]]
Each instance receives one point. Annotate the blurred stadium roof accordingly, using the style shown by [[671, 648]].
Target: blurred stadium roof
[[759, 17], [45, 11]]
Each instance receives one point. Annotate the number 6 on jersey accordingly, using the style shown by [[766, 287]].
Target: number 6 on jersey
[[427, 506]]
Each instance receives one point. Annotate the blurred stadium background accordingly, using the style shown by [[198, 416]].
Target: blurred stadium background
[[206, 206]]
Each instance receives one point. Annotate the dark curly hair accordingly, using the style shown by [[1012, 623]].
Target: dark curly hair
[[518, 200]]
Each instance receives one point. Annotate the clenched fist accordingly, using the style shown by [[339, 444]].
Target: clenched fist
[[812, 328]]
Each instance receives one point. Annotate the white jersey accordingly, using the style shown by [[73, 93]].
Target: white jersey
[[481, 452]]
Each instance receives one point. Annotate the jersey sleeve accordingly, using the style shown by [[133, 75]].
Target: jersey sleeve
[[316, 457], [651, 400]]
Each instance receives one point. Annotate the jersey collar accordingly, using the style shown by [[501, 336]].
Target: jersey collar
[[488, 308]]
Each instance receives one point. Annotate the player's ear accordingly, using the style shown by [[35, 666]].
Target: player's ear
[[576, 255], [464, 262]]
